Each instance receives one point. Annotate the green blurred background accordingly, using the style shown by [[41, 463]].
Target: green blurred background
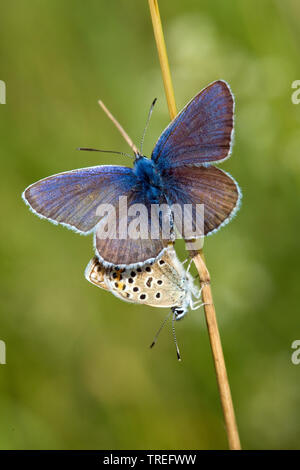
[[79, 372]]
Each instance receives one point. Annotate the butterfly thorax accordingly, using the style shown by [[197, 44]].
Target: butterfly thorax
[[148, 177]]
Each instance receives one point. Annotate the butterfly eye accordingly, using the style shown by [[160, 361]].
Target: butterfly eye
[[179, 313]]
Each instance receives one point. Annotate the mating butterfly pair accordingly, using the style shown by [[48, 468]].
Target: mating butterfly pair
[[164, 283], [179, 172]]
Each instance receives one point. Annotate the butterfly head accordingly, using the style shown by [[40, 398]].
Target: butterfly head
[[148, 177], [179, 312], [138, 156], [142, 163]]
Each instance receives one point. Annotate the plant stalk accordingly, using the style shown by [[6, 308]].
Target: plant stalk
[[198, 258]]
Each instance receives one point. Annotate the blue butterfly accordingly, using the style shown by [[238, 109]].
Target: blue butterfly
[[179, 172]]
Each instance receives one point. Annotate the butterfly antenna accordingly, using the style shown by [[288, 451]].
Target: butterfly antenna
[[161, 327], [120, 128], [147, 123], [105, 151], [175, 339]]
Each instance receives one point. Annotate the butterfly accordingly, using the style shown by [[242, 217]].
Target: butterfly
[[164, 283], [179, 172]]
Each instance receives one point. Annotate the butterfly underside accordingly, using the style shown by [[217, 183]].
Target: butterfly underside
[[161, 284]]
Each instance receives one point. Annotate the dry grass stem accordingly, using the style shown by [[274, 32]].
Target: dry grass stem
[[119, 127], [199, 260]]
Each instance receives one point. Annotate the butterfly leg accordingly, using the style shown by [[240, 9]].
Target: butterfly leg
[[189, 265], [197, 291], [196, 305]]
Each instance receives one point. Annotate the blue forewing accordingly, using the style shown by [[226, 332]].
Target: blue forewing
[[198, 136], [201, 133], [73, 197]]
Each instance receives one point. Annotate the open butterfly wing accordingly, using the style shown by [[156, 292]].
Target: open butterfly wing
[[201, 133], [73, 198], [86, 200], [210, 186]]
